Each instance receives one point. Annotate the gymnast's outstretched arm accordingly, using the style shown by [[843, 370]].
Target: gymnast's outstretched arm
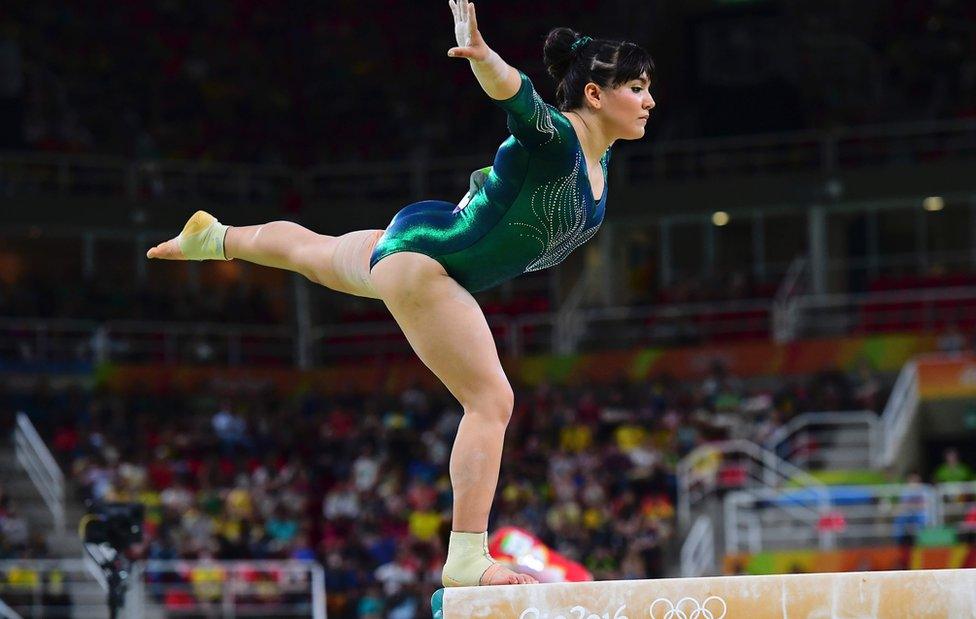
[[498, 79]]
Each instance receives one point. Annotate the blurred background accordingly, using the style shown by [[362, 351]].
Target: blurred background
[[763, 363]]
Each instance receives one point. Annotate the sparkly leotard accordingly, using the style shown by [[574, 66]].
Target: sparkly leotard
[[527, 212]]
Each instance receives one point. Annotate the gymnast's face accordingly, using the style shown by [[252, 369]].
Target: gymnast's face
[[627, 107]]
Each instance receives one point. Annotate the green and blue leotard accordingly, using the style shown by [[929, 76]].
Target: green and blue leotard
[[527, 212]]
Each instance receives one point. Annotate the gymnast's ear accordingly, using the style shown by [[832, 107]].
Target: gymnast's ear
[[593, 95]]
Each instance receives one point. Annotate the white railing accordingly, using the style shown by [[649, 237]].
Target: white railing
[[55, 588], [28, 174], [64, 588], [838, 314], [805, 151], [786, 314], [828, 441], [957, 501], [698, 550], [700, 473], [8, 613], [850, 516], [568, 323], [898, 414], [800, 151], [35, 458], [602, 328], [233, 588], [155, 342]]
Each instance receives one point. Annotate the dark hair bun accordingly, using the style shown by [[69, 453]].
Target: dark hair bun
[[558, 53]]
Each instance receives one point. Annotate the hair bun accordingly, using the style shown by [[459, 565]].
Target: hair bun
[[558, 52]]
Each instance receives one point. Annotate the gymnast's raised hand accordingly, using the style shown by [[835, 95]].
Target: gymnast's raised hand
[[470, 43]]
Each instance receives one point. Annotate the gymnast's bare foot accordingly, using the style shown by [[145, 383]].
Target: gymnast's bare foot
[[498, 574], [167, 250]]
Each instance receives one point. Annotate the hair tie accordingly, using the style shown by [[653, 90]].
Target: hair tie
[[578, 43]]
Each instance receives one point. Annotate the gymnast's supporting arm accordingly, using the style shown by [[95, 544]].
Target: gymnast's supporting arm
[[499, 80]]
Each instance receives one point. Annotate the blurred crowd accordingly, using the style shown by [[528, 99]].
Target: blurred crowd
[[17, 541], [102, 299], [347, 81], [360, 482]]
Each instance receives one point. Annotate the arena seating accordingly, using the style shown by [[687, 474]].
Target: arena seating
[[239, 478]]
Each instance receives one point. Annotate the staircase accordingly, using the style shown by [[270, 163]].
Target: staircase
[[87, 596]]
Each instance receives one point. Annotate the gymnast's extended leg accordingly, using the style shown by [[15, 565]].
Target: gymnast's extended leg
[[448, 331], [337, 262]]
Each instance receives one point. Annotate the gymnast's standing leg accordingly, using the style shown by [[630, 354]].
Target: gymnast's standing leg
[[444, 325]]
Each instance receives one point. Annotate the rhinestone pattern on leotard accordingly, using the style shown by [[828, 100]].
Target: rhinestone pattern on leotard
[[543, 119], [559, 226], [532, 209]]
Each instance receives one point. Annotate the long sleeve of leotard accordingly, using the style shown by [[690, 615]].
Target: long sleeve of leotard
[[530, 120]]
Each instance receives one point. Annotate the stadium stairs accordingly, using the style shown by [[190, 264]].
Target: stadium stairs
[[87, 596]]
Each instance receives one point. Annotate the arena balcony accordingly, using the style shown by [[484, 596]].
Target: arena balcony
[[643, 177]]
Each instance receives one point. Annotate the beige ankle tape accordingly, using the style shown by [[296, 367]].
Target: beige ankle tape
[[203, 238], [467, 559]]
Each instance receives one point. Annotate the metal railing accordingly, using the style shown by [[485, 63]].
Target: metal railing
[[8, 613], [957, 501], [232, 588], [837, 314], [700, 473], [55, 588], [603, 328], [226, 183], [849, 516], [65, 588], [802, 151], [898, 414], [140, 342], [698, 550], [828, 441], [35, 458], [786, 314]]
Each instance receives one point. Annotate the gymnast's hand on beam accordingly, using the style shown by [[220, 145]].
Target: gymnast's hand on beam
[[470, 43]]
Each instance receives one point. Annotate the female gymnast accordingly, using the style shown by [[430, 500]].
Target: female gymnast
[[543, 197]]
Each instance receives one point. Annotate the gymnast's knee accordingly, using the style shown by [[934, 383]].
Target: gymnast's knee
[[494, 403]]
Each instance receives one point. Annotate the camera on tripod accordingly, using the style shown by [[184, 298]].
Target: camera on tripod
[[117, 524], [108, 531]]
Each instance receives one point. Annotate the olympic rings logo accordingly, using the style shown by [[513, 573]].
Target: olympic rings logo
[[689, 608]]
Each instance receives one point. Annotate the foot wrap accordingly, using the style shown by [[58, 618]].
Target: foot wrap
[[467, 560], [202, 238]]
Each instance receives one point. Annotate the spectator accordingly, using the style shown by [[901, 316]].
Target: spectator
[[397, 574], [14, 530], [952, 340], [952, 470], [911, 515]]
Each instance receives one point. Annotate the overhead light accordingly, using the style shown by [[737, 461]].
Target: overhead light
[[933, 203], [720, 218]]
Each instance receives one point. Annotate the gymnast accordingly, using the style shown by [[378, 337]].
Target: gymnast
[[543, 196]]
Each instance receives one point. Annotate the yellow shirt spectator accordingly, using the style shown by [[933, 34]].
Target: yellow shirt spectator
[[593, 518], [629, 437], [22, 578], [239, 503], [424, 525], [207, 582], [576, 438]]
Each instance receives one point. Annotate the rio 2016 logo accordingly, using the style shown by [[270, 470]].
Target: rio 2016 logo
[[576, 612], [713, 607], [689, 608]]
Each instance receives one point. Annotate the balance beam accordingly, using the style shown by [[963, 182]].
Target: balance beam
[[861, 595]]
